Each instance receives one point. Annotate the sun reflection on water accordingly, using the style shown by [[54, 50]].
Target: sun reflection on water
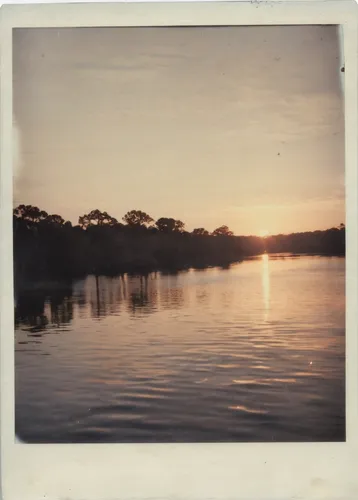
[[240, 354], [266, 285]]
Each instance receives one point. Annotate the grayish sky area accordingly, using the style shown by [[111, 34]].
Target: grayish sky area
[[240, 126]]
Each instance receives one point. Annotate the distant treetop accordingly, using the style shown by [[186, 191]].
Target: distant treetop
[[169, 225], [96, 218], [222, 231], [138, 218], [200, 231]]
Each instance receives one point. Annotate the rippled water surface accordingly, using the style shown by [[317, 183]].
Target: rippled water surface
[[255, 352]]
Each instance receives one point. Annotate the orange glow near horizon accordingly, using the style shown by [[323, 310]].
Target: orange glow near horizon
[[263, 233], [260, 151]]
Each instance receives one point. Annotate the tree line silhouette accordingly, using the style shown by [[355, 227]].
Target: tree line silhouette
[[45, 245]]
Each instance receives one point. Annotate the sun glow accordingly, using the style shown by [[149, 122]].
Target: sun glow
[[263, 233]]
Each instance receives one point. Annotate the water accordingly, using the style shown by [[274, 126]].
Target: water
[[255, 352]]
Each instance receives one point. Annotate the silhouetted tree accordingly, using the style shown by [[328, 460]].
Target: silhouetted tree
[[30, 213], [200, 231], [137, 218], [45, 246], [222, 231], [96, 218], [55, 219], [169, 225]]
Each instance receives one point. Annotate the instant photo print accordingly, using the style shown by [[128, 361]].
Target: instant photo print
[[179, 251]]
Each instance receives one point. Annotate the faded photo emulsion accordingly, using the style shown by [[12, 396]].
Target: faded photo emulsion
[[179, 234]]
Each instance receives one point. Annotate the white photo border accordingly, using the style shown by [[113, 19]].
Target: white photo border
[[179, 471]]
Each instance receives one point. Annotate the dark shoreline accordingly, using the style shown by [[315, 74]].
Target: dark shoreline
[[55, 282], [48, 248]]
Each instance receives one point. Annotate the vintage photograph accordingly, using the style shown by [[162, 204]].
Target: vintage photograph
[[179, 234]]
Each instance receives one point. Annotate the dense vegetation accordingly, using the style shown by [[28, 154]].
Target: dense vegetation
[[46, 246]]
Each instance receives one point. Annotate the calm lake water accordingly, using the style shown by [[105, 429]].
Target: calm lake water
[[255, 352]]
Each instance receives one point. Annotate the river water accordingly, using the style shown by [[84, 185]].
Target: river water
[[255, 352]]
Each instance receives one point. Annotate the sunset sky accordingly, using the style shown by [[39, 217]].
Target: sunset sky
[[240, 126]]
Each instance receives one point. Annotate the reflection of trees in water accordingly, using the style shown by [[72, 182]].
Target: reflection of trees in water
[[30, 308], [138, 300], [57, 304], [104, 295], [79, 294], [138, 293], [61, 312], [98, 304], [40, 306], [141, 293]]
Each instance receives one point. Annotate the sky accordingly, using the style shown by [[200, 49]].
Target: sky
[[241, 126]]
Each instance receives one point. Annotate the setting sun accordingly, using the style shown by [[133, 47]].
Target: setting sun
[[263, 233]]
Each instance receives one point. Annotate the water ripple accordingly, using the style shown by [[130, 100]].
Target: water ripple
[[199, 357]]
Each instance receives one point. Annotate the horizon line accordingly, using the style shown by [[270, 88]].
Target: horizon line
[[267, 234]]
